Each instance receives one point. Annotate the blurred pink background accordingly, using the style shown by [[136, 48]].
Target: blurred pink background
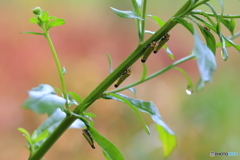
[[203, 122]]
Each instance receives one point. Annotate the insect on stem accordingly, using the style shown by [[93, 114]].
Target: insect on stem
[[88, 137], [123, 76], [160, 43], [148, 51]]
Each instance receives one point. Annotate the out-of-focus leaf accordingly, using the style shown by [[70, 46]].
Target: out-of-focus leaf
[[56, 22], [228, 24], [132, 89], [144, 73], [43, 99], [41, 136], [139, 2], [24, 131], [169, 141], [233, 24], [151, 109], [159, 21], [34, 135], [88, 114], [54, 120], [224, 51], [189, 88], [75, 96], [44, 16], [110, 150], [36, 33], [210, 40], [205, 23], [185, 23], [109, 62], [122, 98], [231, 43], [205, 59], [222, 6], [64, 71], [34, 20], [169, 52], [126, 14], [150, 32]]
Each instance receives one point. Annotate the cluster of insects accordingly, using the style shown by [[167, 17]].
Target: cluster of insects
[[154, 47]]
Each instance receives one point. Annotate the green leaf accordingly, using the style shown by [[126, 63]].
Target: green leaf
[[210, 40], [224, 51], [169, 141], [231, 43], [190, 87], [34, 20], [126, 14], [205, 59], [122, 98], [56, 22], [44, 16], [75, 96], [152, 110], [109, 62], [41, 136], [228, 25], [144, 73], [139, 2], [233, 24], [34, 135], [185, 23], [36, 33], [159, 21], [205, 23], [24, 131], [43, 99], [168, 51], [109, 149], [88, 114]]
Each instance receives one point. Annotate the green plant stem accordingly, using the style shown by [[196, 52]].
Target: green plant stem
[[59, 69], [104, 85], [138, 24], [199, 12], [154, 74], [143, 21]]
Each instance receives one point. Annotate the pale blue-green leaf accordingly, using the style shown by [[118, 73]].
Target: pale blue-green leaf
[[139, 2], [34, 135], [231, 43], [122, 98], [224, 51], [126, 14], [108, 147], [205, 59], [169, 141], [222, 6], [43, 99], [54, 120], [132, 89]]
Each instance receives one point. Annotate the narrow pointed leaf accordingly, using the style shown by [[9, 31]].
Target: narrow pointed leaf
[[24, 131], [159, 21], [110, 63], [185, 23], [222, 6], [109, 149], [126, 14], [231, 43]]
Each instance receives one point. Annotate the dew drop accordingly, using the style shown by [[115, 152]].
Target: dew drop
[[189, 90]]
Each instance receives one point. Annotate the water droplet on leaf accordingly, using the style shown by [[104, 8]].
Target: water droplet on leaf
[[189, 90]]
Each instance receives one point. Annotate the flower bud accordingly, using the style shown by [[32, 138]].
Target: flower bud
[[37, 11]]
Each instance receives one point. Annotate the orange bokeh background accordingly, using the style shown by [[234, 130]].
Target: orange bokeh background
[[203, 122]]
